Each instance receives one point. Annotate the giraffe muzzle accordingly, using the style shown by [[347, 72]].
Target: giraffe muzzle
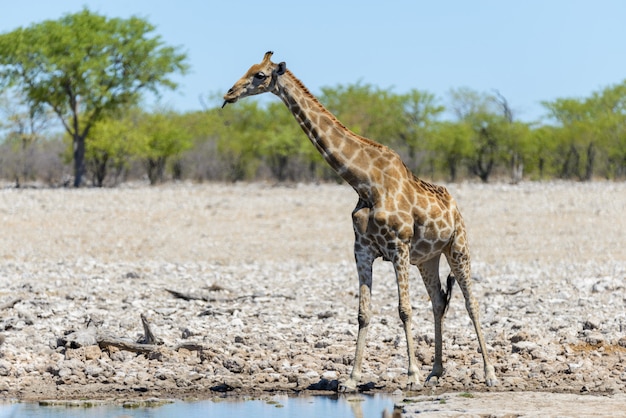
[[230, 97]]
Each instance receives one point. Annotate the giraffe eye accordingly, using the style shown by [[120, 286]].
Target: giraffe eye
[[260, 75]]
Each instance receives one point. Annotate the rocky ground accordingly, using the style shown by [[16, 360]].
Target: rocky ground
[[251, 289]]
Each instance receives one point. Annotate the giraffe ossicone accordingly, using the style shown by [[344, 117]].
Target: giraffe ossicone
[[398, 217]]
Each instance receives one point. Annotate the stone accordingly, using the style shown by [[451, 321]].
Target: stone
[[234, 364], [5, 368], [92, 352]]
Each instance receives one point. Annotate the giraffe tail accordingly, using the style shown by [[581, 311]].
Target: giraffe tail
[[448, 292]]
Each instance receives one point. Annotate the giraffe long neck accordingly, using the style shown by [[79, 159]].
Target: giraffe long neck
[[346, 152]]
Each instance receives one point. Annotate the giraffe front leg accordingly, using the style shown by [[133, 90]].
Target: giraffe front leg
[[413, 373], [364, 267], [401, 265]]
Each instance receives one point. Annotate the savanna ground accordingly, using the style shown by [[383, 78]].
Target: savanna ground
[[271, 295]]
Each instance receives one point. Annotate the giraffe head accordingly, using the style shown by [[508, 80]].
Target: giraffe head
[[260, 78]]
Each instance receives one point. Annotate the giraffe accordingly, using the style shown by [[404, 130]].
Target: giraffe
[[398, 217]]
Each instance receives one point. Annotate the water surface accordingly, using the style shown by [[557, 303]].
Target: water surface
[[349, 406]]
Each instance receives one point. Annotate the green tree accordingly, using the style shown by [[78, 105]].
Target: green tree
[[515, 143], [421, 110], [451, 146], [113, 143], [86, 67], [578, 136], [238, 138], [611, 127], [372, 112], [592, 133], [543, 145], [166, 138], [203, 160], [282, 141], [489, 121]]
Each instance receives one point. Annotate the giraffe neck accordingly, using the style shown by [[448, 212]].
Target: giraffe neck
[[347, 153]]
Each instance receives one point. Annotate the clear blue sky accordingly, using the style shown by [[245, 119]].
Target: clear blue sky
[[529, 50]]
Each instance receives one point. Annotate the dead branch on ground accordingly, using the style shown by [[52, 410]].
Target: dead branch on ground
[[10, 304], [190, 296]]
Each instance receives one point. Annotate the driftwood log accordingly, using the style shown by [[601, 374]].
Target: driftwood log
[[218, 311], [106, 341], [193, 296], [9, 304], [148, 335], [148, 343]]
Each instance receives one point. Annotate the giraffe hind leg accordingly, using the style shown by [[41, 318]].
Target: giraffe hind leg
[[459, 263], [445, 296], [440, 300], [449, 285]]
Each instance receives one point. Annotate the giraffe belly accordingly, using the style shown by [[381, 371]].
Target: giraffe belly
[[430, 236], [420, 250], [423, 250]]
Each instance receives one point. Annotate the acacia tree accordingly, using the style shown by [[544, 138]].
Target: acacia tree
[[610, 127], [113, 143], [86, 67], [421, 109], [578, 136], [367, 110], [490, 122], [166, 138], [451, 144], [237, 141]]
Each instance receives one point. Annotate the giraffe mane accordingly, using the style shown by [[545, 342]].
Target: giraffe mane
[[311, 96]]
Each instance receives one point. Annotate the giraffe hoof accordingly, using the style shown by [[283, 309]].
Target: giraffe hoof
[[349, 386], [490, 377], [434, 376], [432, 381], [414, 387]]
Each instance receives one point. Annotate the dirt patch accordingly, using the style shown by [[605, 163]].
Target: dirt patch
[[515, 404], [277, 292]]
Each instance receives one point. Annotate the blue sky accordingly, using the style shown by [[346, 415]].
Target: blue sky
[[529, 50]]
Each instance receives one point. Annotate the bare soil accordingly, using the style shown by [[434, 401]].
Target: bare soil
[[271, 300]]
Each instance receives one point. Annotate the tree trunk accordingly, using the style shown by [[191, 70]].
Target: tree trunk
[[570, 166], [452, 168], [100, 169], [156, 169], [483, 169], [278, 166], [79, 159], [517, 168], [591, 156], [177, 170], [485, 158]]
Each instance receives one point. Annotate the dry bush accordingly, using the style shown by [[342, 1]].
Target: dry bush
[[41, 162]]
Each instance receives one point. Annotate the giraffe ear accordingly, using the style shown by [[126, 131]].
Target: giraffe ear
[[282, 67]]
